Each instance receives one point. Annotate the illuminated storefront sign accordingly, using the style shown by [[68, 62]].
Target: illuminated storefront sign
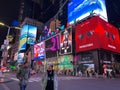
[[23, 38]]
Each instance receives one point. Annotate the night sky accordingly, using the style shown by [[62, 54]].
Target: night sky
[[9, 10]]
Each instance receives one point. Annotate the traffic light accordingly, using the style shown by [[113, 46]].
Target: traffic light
[[58, 23], [52, 26]]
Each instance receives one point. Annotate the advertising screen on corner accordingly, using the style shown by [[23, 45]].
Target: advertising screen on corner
[[32, 31], [96, 33], [28, 36], [79, 9], [23, 38]]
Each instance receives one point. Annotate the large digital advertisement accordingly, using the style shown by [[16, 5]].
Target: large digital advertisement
[[66, 41], [100, 35], [51, 28], [28, 36], [52, 46], [23, 38], [32, 31], [39, 51], [79, 9]]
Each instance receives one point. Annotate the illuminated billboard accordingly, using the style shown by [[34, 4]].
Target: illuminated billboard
[[20, 58], [28, 36], [39, 51], [51, 27], [79, 9], [66, 41], [52, 46], [96, 33], [23, 38], [65, 62], [32, 31]]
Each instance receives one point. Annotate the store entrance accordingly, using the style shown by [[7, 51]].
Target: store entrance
[[88, 69]]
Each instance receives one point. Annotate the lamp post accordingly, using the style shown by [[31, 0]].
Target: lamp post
[[6, 41], [9, 27]]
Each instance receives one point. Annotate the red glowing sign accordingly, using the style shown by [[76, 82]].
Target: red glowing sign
[[96, 33]]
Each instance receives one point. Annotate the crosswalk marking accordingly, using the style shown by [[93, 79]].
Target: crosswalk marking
[[30, 80], [73, 78], [38, 79]]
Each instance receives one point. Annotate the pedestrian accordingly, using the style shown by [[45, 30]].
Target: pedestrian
[[23, 74], [49, 79], [80, 73]]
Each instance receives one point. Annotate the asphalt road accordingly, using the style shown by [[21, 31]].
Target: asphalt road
[[66, 83]]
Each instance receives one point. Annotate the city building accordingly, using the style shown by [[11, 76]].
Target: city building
[[96, 46], [89, 53]]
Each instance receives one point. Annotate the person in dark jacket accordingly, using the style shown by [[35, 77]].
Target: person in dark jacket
[[49, 80], [23, 75]]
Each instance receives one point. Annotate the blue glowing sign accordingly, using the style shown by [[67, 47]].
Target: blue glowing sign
[[28, 36], [23, 38], [79, 9], [32, 31]]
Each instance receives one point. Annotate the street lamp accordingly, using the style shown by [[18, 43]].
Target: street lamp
[[6, 42], [9, 27]]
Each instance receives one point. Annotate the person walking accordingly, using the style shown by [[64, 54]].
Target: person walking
[[23, 74], [49, 79]]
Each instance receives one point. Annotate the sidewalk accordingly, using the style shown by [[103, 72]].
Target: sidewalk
[[4, 80]]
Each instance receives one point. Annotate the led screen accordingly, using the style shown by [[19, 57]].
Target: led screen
[[52, 46], [66, 41], [28, 36], [20, 57], [96, 33], [65, 62], [39, 51], [79, 9], [23, 38], [51, 28], [32, 31]]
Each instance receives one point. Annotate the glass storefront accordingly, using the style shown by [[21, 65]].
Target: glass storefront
[[96, 60], [64, 64]]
